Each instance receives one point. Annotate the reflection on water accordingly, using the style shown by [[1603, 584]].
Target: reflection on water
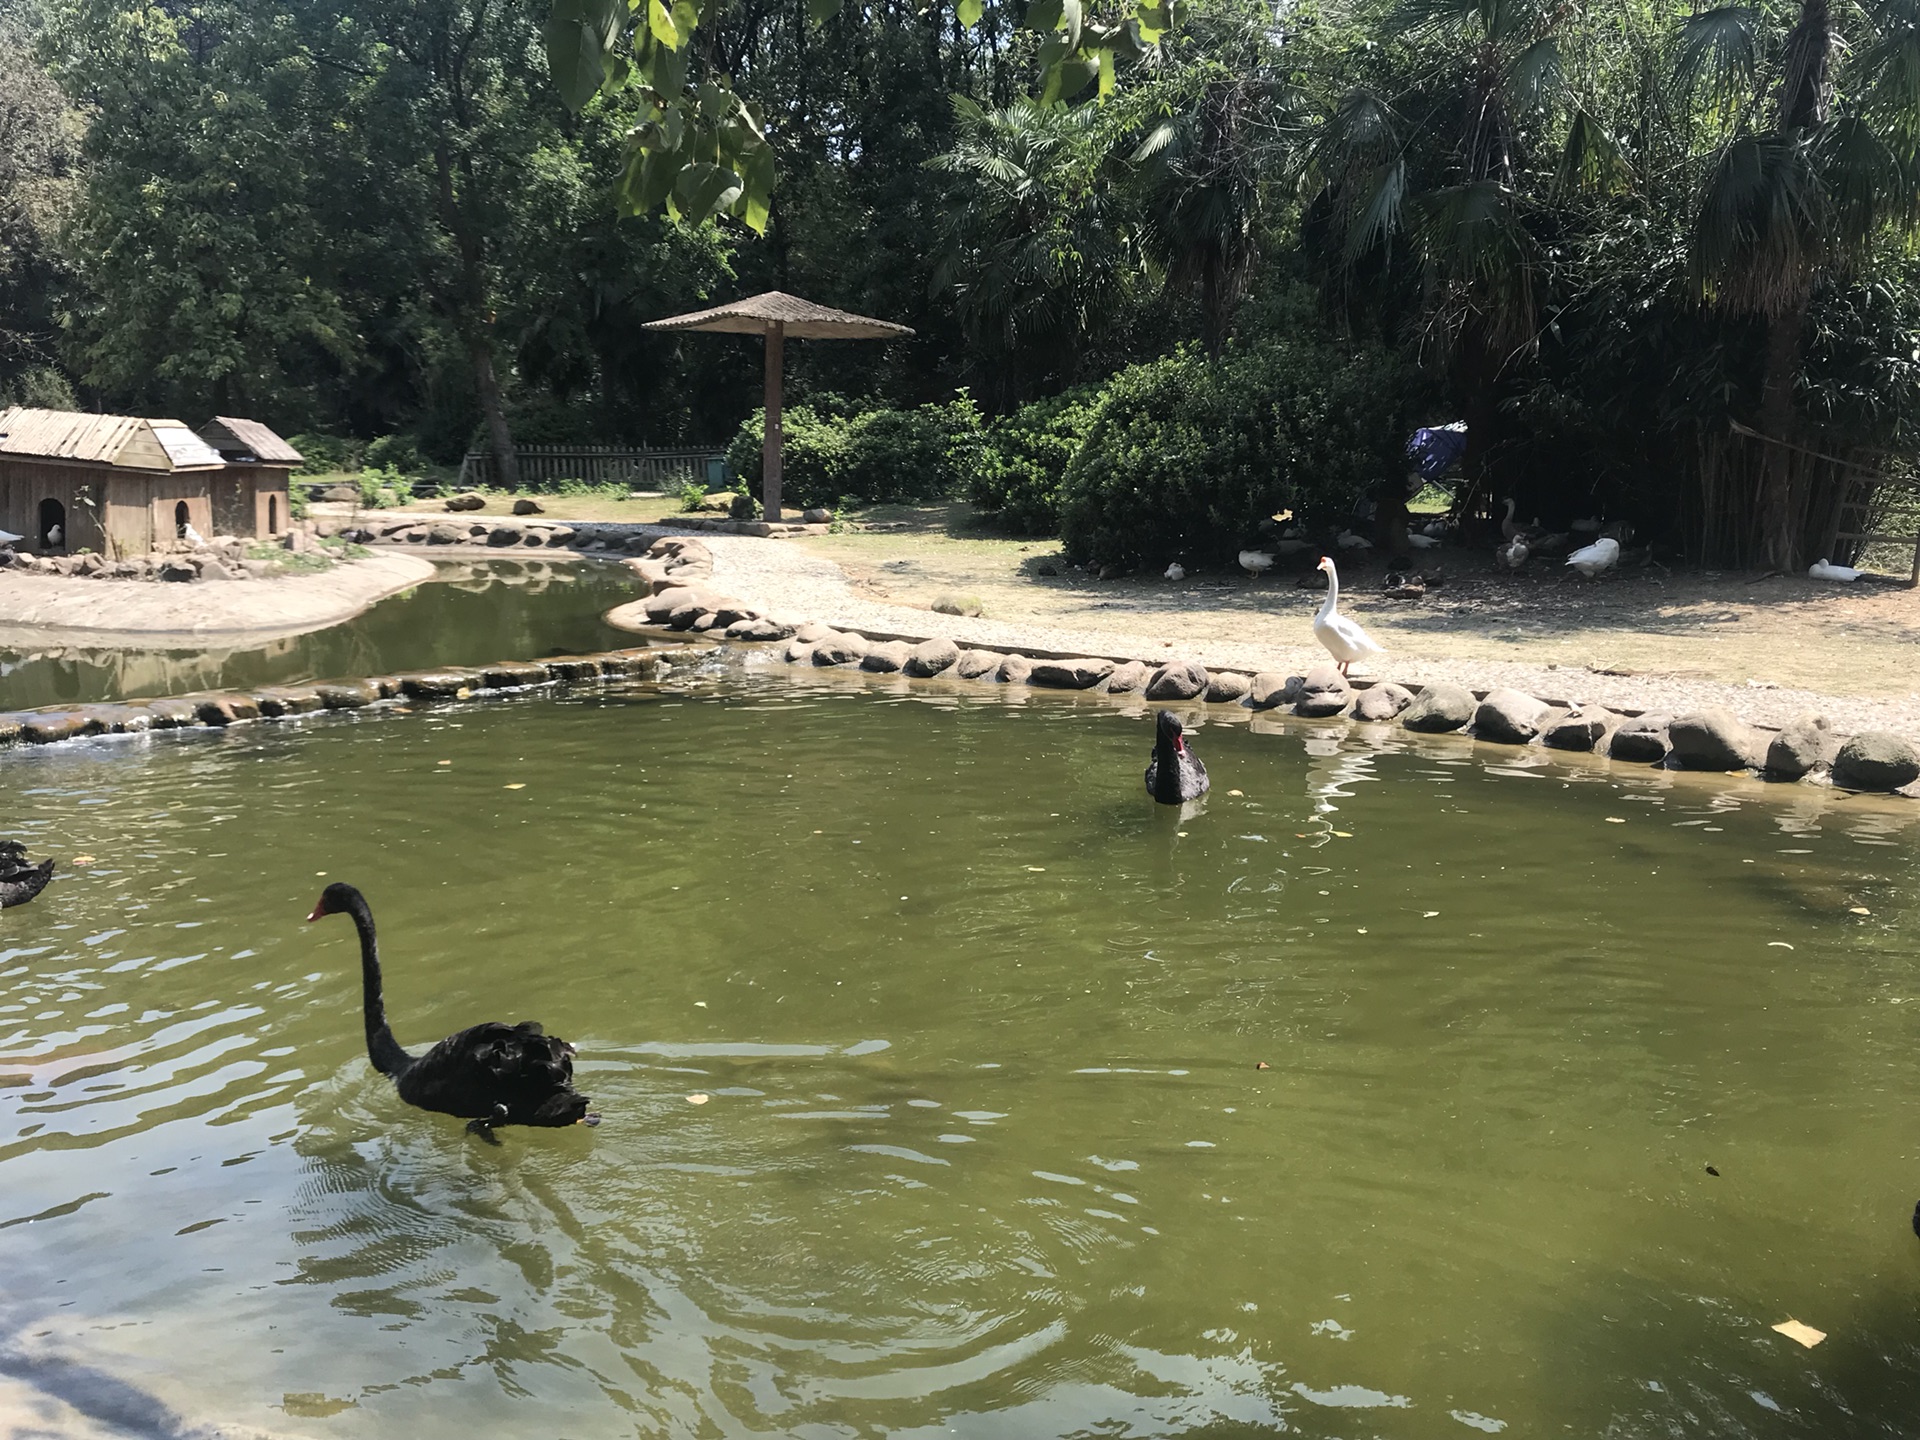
[[473, 613], [986, 1151]]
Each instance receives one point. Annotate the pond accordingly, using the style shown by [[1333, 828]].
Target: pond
[[474, 612], [985, 1148]]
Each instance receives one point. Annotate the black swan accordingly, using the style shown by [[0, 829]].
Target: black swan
[[494, 1074], [19, 881], [1175, 773]]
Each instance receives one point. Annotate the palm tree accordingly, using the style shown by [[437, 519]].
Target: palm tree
[[1813, 160]]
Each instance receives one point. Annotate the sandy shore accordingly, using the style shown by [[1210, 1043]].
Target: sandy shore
[[793, 583], [48, 609]]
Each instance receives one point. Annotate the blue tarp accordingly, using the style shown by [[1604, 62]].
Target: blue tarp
[[1435, 449]]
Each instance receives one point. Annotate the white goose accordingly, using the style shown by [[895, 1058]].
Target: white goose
[[1343, 638], [1825, 570], [1590, 560]]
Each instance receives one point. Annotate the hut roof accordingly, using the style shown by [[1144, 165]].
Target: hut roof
[[125, 441], [245, 440], [802, 319]]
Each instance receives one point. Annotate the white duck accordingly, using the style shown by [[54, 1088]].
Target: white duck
[[1602, 554], [1343, 638], [7, 537], [1513, 554], [55, 536], [1824, 570], [1422, 542], [1347, 540], [1176, 571], [1255, 562]]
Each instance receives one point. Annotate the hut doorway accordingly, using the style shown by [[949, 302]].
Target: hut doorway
[[273, 514], [180, 520], [53, 524]]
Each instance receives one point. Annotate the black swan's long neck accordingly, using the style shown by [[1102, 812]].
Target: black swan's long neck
[[385, 1052]]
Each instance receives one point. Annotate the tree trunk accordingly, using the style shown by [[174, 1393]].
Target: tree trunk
[[772, 445], [506, 463], [1781, 509]]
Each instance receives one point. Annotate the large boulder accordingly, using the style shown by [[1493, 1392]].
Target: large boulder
[[1270, 689], [1713, 739], [758, 627], [932, 657], [1079, 674], [839, 648], [798, 652], [1013, 670], [1580, 729], [1875, 760], [816, 515], [812, 631], [1228, 687], [978, 664], [1382, 702], [346, 694], [1805, 745], [174, 712], [1324, 691], [49, 727], [886, 657], [445, 534], [1128, 678], [435, 684], [1439, 708], [952, 602], [1509, 717], [1641, 739], [501, 536], [524, 506], [1178, 680]]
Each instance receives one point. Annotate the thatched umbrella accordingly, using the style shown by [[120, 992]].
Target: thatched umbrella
[[775, 316]]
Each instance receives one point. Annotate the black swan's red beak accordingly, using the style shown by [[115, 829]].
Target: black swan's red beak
[[319, 911]]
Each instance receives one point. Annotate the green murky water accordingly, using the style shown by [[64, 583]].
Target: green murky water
[[986, 1151], [476, 612]]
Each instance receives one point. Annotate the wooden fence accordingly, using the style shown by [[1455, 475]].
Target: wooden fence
[[541, 465]]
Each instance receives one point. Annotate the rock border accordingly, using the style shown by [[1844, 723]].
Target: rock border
[[679, 572]]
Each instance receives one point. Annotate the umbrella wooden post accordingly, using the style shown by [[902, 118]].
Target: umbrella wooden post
[[771, 447]]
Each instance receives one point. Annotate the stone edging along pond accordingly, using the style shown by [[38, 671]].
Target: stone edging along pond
[[678, 571]]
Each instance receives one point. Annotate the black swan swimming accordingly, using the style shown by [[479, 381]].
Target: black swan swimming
[[493, 1074], [1175, 773], [19, 881]]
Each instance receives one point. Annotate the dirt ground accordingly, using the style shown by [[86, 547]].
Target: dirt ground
[[1742, 629]]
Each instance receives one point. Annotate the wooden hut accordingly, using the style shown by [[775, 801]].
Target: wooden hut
[[116, 484], [250, 495]]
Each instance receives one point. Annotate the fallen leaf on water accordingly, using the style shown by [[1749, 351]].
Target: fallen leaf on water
[[1236, 792], [698, 1099], [1344, 834], [1804, 1334], [1712, 1171], [1778, 945], [1430, 915], [402, 710], [82, 860], [444, 762], [1860, 910], [1181, 833], [1361, 931], [518, 785], [321, 873], [1616, 820], [1038, 869], [463, 693], [1262, 1065]]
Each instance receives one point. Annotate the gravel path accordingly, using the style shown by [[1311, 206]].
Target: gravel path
[[794, 585]]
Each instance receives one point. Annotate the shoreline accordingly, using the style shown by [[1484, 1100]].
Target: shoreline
[[38, 610]]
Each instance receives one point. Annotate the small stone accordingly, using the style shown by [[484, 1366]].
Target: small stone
[[277, 700], [214, 570], [173, 712], [1014, 670], [1875, 760], [501, 536], [346, 694], [1228, 687], [703, 622], [932, 657], [1713, 739], [50, 727], [812, 631], [953, 602], [1075, 674], [1178, 680], [758, 627], [798, 652], [1509, 717], [977, 664], [177, 572], [1641, 739], [1129, 678], [433, 684], [572, 668], [444, 534], [1438, 709], [512, 674], [1271, 689], [340, 495], [524, 506], [1804, 746], [1382, 702], [1580, 729], [886, 657]]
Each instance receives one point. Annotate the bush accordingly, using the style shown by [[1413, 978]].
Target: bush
[[325, 454], [1024, 462], [1188, 456], [395, 452], [877, 457], [383, 489]]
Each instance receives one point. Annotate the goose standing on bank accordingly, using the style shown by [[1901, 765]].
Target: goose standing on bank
[[1343, 638], [20, 881], [491, 1074], [1591, 560], [1175, 774]]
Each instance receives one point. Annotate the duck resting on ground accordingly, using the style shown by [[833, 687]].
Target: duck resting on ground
[[491, 1074], [1591, 560], [1343, 638], [1175, 774], [1256, 562], [20, 881]]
